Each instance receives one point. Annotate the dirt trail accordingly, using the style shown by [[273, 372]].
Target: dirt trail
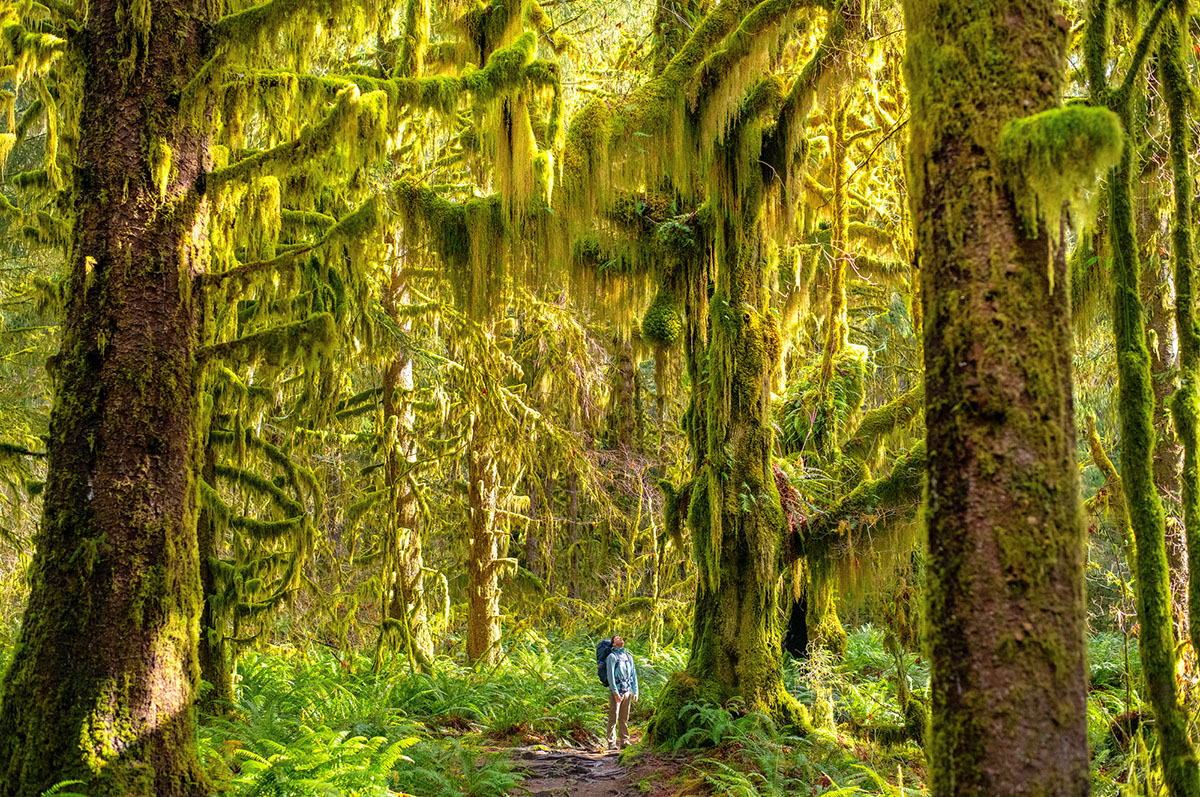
[[558, 772]]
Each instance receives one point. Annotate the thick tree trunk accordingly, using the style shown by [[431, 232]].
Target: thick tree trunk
[[1005, 595], [103, 682], [734, 515]]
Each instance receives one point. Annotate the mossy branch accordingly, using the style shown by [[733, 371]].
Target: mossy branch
[[741, 44], [899, 490], [354, 225], [248, 480], [312, 141], [785, 138], [1142, 50], [275, 345], [1116, 489], [11, 449], [878, 423], [259, 22], [254, 528]]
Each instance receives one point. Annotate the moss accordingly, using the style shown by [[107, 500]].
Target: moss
[[1185, 404], [662, 325], [1136, 404], [865, 442], [1054, 158], [276, 345]]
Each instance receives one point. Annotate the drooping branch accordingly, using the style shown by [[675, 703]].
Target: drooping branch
[[277, 344], [260, 22], [353, 225], [312, 141], [781, 146]]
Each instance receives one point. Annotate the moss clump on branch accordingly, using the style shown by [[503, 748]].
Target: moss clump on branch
[[1051, 158], [663, 323]]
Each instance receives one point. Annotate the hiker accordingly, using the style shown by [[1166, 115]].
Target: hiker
[[618, 673]]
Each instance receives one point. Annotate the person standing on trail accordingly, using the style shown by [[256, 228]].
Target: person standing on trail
[[622, 692]]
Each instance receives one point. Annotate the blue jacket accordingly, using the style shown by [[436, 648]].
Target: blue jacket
[[611, 660]]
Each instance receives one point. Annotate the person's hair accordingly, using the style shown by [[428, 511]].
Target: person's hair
[[618, 641]]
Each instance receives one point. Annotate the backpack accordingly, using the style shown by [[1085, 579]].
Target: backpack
[[602, 649]]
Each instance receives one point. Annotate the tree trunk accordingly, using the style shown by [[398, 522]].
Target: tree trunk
[[1156, 647], [622, 403], [483, 592], [215, 664], [573, 536], [533, 539], [1006, 542], [103, 682], [405, 562], [1185, 406], [734, 515]]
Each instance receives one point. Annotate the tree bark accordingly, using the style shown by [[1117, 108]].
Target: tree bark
[[573, 586], [483, 591], [734, 514], [405, 562], [103, 683], [1006, 542]]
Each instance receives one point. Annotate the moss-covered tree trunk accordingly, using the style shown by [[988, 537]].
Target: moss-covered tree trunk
[[1185, 406], [1156, 647], [572, 521], [734, 514], [405, 576], [103, 682], [484, 554], [1005, 571]]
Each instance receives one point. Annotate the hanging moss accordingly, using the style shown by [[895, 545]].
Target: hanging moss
[[1053, 158], [276, 345]]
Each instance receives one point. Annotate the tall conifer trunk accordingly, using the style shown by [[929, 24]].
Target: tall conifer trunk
[[103, 681], [1005, 600]]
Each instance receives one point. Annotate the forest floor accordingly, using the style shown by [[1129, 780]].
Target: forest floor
[[580, 772], [563, 772]]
